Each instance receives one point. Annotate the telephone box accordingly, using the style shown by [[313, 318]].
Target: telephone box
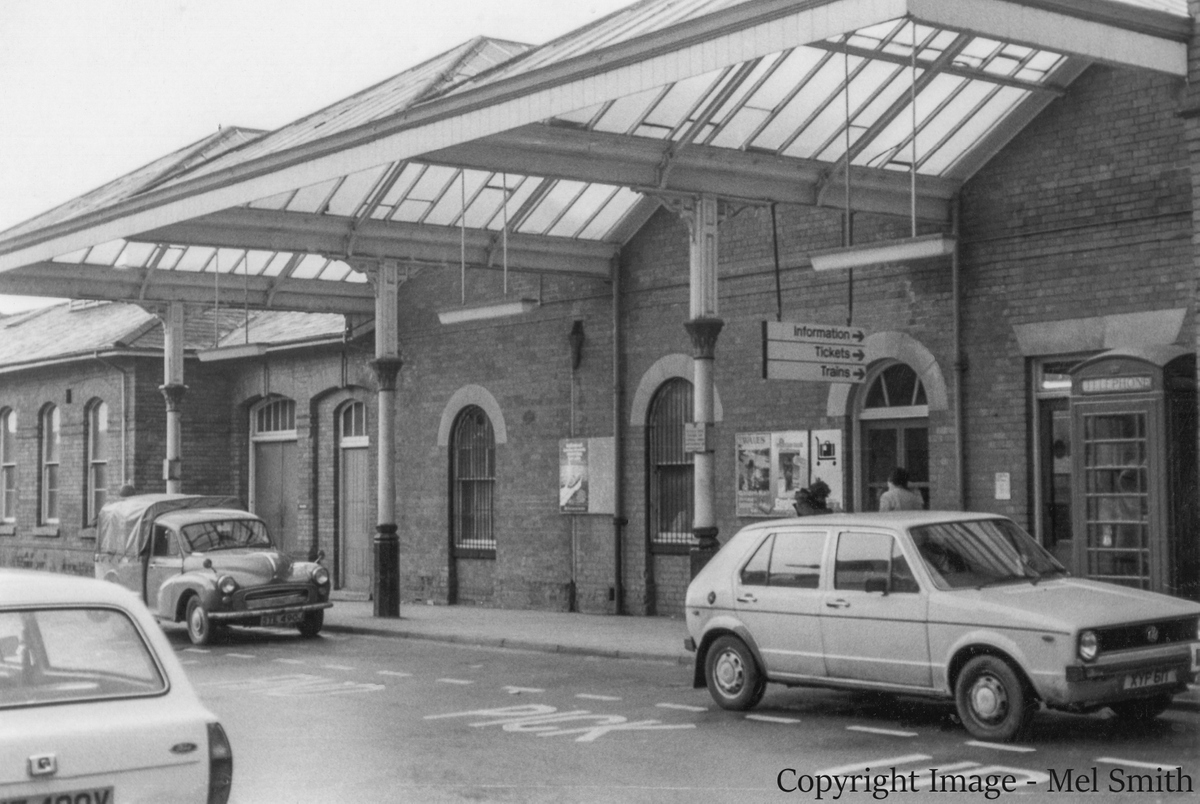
[[1133, 421]]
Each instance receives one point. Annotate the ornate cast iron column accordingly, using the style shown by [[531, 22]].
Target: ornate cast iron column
[[173, 390]]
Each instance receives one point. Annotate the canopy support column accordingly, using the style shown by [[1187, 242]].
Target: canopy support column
[[173, 390], [385, 276], [702, 215]]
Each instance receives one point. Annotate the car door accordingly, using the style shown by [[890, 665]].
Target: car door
[[165, 561], [873, 616], [777, 595]]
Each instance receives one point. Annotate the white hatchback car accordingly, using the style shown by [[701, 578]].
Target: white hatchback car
[[94, 706], [958, 606]]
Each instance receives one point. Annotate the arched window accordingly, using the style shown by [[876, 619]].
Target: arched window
[[894, 429], [96, 459], [352, 425], [669, 485], [473, 482], [274, 419], [51, 427], [8, 465]]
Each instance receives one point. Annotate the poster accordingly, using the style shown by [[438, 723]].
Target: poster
[[789, 463], [573, 476], [829, 464], [754, 495]]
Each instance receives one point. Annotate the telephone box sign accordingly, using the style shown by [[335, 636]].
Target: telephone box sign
[[813, 352], [1116, 385]]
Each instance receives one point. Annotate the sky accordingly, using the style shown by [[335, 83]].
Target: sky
[[93, 89]]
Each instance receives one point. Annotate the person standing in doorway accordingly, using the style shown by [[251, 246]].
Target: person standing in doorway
[[899, 497]]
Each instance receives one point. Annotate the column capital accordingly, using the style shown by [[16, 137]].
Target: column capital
[[174, 395], [386, 369], [704, 332]]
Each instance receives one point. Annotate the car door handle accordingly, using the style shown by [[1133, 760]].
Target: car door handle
[[746, 597], [837, 604]]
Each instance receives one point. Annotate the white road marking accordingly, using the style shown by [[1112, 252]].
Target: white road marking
[[394, 673], [519, 690], [1133, 764], [240, 655], [290, 661], [858, 767], [589, 697], [1017, 749], [455, 681], [195, 650], [474, 666], [190, 661], [886, 732], [547, 721], [683, 707], [772, 719], [337, 667], [294, 685]]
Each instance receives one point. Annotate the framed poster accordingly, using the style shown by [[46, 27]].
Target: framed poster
[[771, 467]]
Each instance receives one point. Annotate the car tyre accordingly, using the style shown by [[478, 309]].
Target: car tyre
[[993, 702], [733, 677], [199, 627], [1141, 710], [312, 623]]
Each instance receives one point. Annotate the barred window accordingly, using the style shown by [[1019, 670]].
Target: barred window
[[8, 465], [97, 460], [51, 438], [473, 482], [669, 492]]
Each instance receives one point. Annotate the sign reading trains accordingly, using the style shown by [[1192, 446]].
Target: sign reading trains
[[813, 352]]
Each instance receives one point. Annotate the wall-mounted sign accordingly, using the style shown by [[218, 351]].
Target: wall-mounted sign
[[586, 476], [1116, 385], [813, 352], [697, 437], [827, 463]]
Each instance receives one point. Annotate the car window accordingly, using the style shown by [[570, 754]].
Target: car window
[[221, 534], [902, 581], [862, 557], [755, 571], [796, 559], [164, 542], [62, 655], [983, 552]]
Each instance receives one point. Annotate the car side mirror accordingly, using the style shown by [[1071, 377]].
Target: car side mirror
[[877, 584]]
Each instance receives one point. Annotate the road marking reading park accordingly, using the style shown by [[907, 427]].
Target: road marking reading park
[[548, 721]]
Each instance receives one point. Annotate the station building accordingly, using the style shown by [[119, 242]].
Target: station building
[[539, 327]]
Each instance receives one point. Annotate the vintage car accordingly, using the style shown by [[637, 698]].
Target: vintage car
[[203, 561], [957, 606], [94, 705]]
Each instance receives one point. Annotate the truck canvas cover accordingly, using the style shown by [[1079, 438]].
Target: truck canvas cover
[[124, 526]]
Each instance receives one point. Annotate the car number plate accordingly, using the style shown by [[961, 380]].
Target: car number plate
[[1150, 679], [286, 618], [96, 795]]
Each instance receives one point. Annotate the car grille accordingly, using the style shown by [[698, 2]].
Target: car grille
[[1147, 635], [273, 598]]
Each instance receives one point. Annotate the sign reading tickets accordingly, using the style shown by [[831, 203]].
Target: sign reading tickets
[[813, 352]]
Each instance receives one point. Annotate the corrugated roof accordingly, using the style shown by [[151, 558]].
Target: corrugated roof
[[382, 100], [140, 180]]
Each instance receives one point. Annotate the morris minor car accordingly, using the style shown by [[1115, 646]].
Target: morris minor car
[[204, 562], [947, 605]]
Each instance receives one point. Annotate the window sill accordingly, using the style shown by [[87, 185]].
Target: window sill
[[45, 531], [475, 552], [8, 529], [88, 534]]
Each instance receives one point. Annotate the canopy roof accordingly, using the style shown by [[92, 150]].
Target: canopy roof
[[547, 159]]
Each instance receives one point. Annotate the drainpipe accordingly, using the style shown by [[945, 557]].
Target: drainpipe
[[960, 363], [619, 520], [125, 478]]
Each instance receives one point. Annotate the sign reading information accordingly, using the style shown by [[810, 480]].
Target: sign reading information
[[813, 352]]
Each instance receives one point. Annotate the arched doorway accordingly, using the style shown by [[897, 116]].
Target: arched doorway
[[352, 525], [670, 491], [893, 430], [275, 487], [472, 506]]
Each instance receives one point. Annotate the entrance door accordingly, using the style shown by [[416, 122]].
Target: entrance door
[[890, 444], [354, 529], [275, 492], [1119, 531]]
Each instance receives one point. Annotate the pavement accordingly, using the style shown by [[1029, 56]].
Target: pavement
[[606, 636]]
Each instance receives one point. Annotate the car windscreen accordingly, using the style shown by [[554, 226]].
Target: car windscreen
[[981, 553], [64, 655], [222, 534]]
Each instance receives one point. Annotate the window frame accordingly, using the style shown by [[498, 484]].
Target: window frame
[[482, 486], [8, 465], [50, 464], [95, 493], [669, 468]]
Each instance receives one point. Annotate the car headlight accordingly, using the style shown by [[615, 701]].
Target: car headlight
[[1089, 646], [320, 576], [227, 585]]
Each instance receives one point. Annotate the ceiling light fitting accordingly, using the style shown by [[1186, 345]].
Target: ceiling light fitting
[[879, 253]]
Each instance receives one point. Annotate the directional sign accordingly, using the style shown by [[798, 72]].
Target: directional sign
[[813, 352]]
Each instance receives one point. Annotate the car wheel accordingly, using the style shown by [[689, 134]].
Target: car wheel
[[733, 677], [1141, 710], [992, 700], [310, 626], [199, 626]]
